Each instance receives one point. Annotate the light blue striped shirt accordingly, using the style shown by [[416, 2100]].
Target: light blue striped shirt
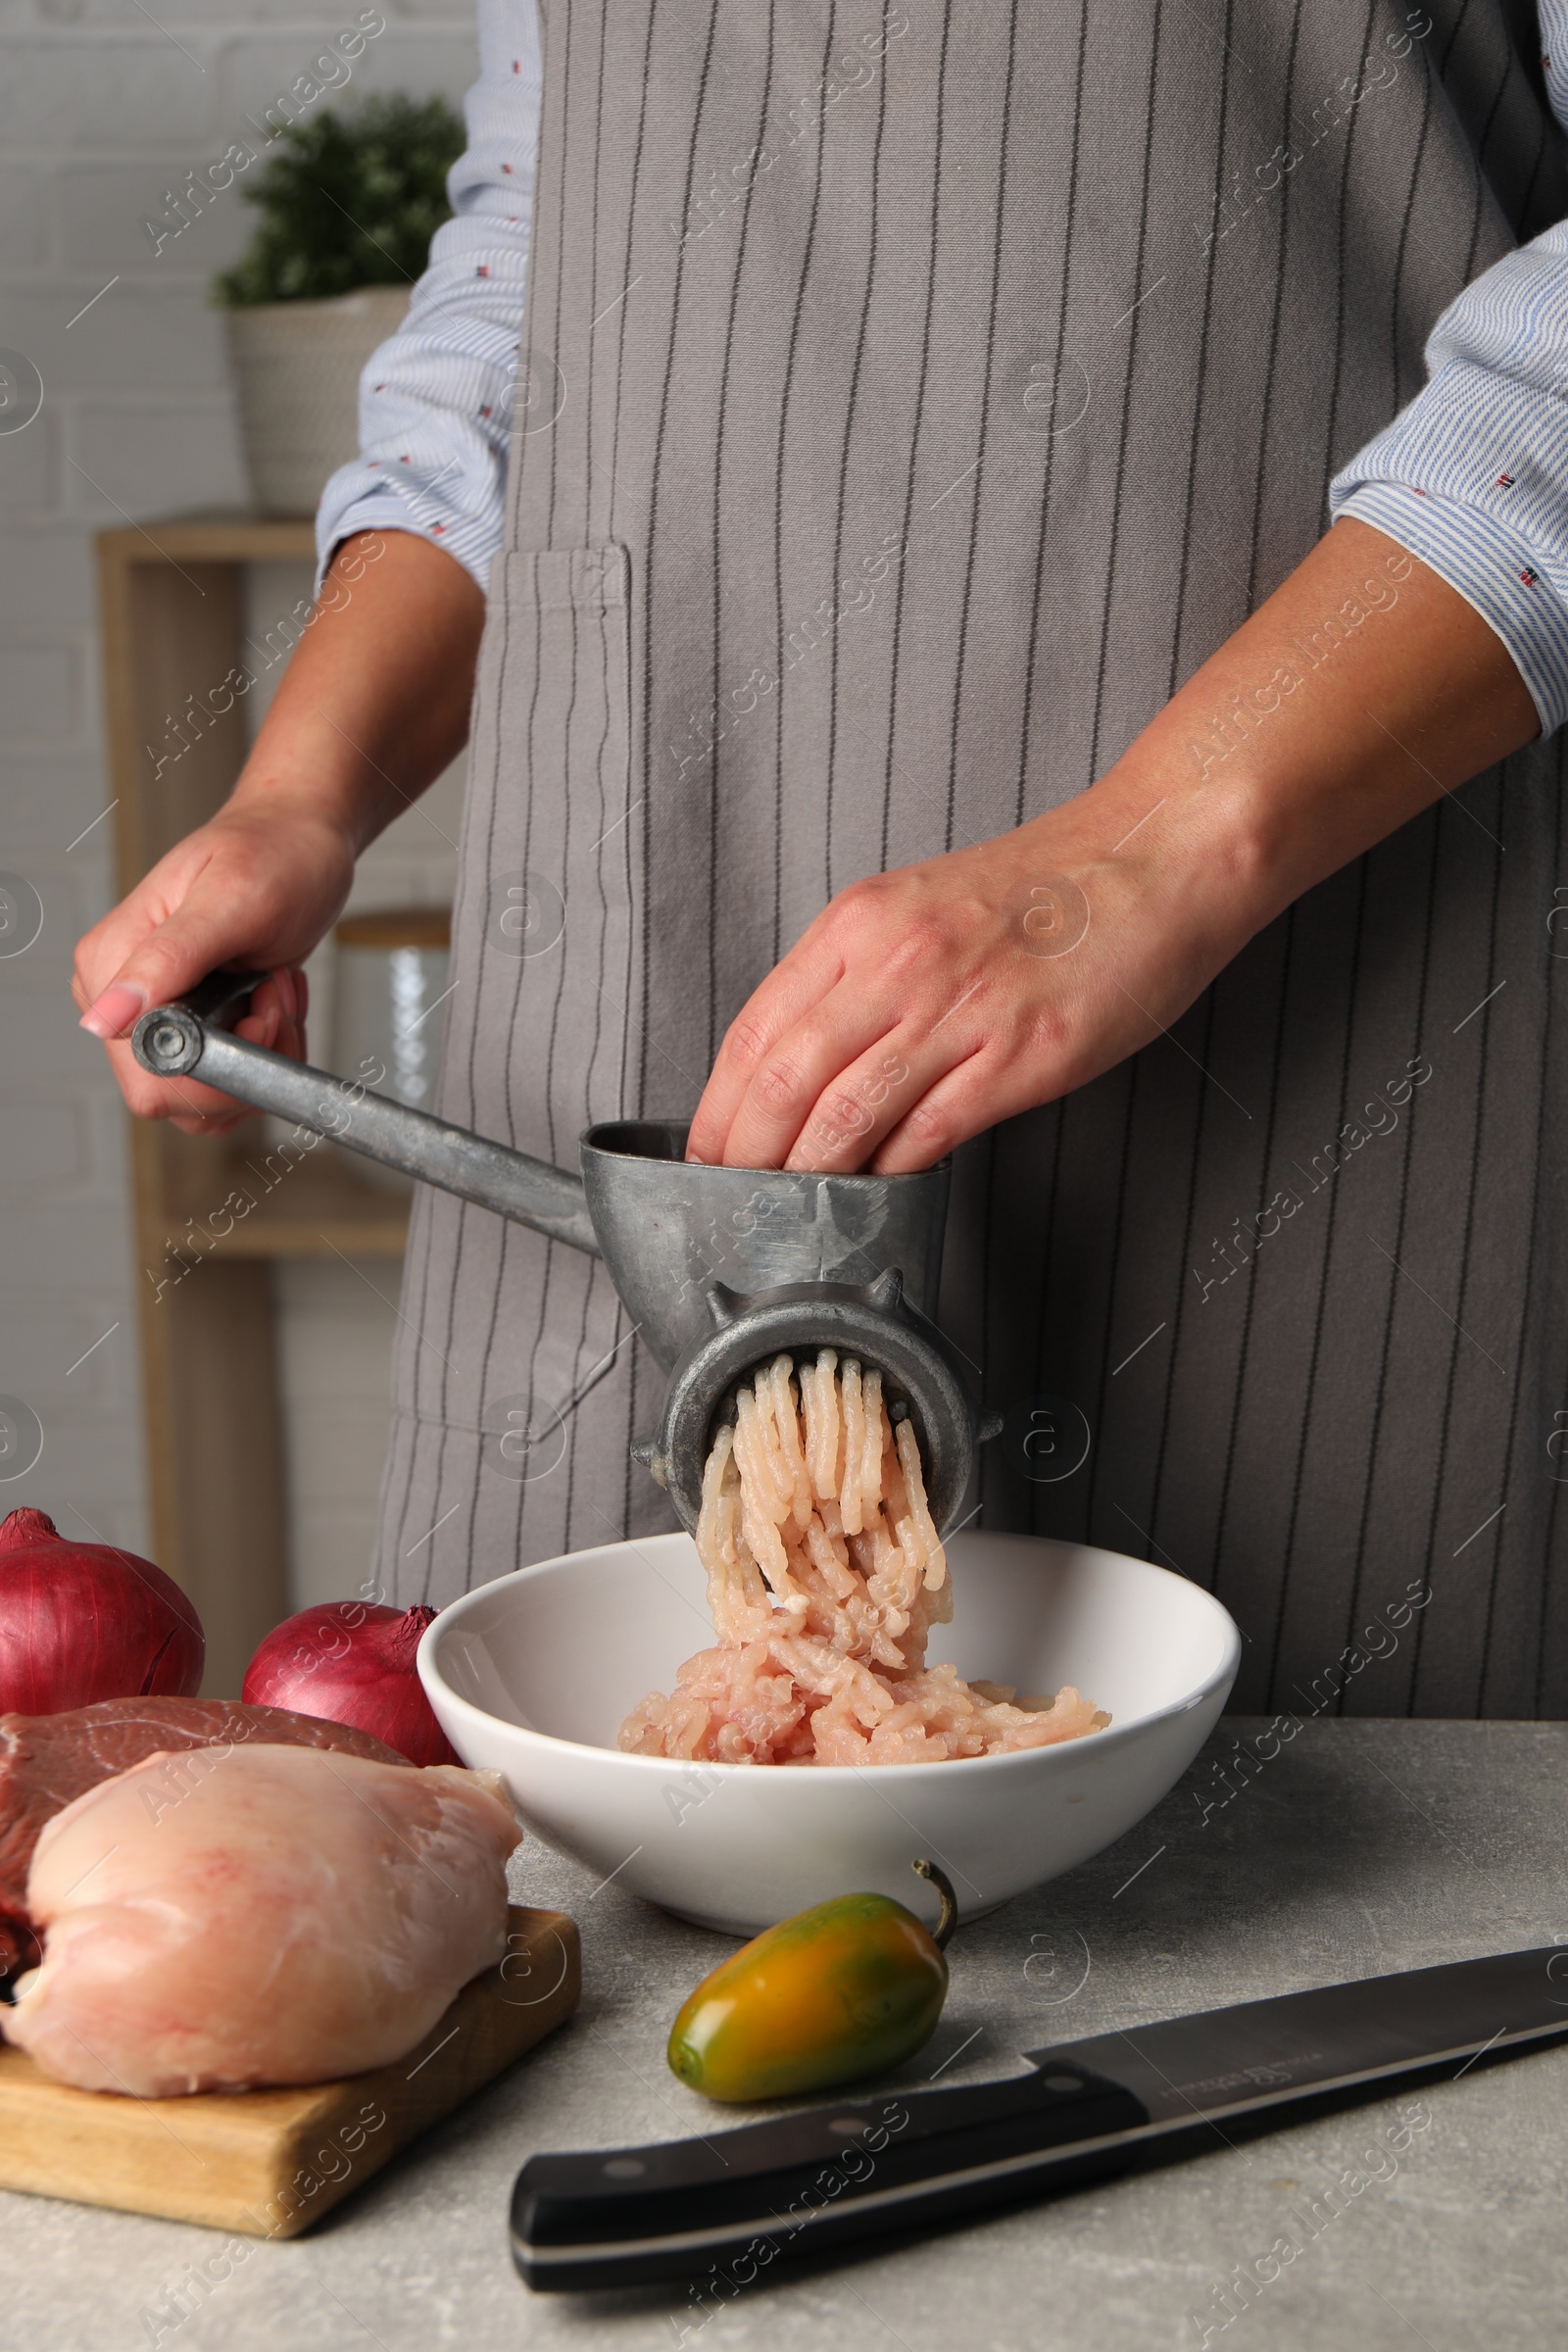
[[436, 401]]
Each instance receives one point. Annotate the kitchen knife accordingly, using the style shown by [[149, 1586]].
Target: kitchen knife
[[861, 2168]]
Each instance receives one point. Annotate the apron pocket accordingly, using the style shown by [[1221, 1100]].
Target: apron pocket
[[563, 691], [552, 846]]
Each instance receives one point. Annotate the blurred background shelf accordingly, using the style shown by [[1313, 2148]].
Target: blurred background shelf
[[313, 1208], [176, 602]]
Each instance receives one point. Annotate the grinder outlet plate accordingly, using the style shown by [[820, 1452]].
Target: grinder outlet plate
[[921, 1372]]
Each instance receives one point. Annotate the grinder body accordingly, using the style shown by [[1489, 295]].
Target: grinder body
[[721, 1269]]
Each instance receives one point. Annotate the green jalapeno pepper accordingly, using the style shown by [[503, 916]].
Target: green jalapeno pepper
[[850, 1988]]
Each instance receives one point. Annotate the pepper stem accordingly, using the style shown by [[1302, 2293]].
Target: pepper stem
[[950, 1907]]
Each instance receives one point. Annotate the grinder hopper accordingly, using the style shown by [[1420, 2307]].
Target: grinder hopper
[[718, 1268]]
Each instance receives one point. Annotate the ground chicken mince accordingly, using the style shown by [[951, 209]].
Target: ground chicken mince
[[825, 1575]]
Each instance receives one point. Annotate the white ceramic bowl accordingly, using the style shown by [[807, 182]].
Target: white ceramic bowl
[[531, 1676]]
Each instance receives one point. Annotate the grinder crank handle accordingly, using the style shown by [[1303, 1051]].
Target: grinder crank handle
[[219, 999], [184, 1040]]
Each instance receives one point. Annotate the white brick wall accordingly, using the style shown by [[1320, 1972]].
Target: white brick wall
[[101, 110]]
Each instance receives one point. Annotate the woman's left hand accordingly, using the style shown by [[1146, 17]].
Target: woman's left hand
[[925, 1005]]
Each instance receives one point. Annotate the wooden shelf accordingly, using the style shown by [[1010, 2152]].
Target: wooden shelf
[[244, 1198], [216, 538], [173, 606]]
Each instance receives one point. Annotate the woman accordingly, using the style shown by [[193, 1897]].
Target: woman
[[872, 754]]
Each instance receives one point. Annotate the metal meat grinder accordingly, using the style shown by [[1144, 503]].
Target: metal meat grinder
[[719, 1268]]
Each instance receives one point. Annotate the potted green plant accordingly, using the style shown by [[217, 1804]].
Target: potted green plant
[[349, 203]]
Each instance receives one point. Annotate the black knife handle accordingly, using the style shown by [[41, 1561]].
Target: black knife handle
[[815, 2182]]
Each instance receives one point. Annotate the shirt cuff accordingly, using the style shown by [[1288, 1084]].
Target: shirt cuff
[[1483, 561], [356, 500]]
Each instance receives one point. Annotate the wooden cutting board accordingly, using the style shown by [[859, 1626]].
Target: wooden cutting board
[[268, 2163]]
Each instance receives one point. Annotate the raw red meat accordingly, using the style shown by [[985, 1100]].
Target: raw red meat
[[47, 1760]]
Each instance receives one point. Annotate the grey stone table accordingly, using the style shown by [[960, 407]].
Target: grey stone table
[[1362, 1847]]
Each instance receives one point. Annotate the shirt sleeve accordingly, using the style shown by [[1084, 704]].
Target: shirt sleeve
[[435, 401], [1472, 476]]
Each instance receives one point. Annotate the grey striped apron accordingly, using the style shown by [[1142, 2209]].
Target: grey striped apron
[[910, 399]]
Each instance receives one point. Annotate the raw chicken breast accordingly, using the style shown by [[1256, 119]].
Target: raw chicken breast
[[294, 1916], [47, 1760]]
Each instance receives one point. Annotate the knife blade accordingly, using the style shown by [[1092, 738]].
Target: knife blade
[[861, 2168]]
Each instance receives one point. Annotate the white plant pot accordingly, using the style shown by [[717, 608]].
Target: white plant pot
[[297, 369]]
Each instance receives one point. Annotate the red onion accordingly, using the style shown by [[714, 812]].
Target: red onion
[[351, 1661], [85, 1622]]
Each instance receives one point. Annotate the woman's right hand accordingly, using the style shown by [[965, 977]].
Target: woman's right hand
[[256, 887], [374, 705]]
